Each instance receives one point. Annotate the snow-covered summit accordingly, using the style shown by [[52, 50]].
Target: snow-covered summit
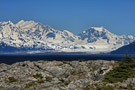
[[98, 28], [31, 34], [95, 33], [26, 24]]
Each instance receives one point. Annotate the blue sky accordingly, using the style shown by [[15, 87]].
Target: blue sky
[[118, 16]]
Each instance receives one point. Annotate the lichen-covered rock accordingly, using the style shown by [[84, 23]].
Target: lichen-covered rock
[[56, 75]]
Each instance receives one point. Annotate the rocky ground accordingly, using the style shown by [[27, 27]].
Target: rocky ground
[[59, 75]]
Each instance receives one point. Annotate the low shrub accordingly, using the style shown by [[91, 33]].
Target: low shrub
[[125, 70], [106, 88], [30, 84], [12, 79], [38, 76], [49, 79]]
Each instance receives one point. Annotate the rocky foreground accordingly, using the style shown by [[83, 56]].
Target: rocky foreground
[[59, 75]]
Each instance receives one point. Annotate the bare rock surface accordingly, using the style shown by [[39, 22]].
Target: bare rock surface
[[55, 75]]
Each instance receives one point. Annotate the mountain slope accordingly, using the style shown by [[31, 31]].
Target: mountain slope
[[130, 49], [30, 34], [101, 38]]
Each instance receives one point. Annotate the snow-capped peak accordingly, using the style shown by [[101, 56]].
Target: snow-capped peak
[[9, 21], [98, 28], [26, 25], [6, 23], [35, 35], [20, 22]]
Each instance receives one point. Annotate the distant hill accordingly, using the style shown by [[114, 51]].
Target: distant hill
[[130, 49]]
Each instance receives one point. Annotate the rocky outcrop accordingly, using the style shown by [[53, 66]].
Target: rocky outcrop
[[52, 75], [56, 75]]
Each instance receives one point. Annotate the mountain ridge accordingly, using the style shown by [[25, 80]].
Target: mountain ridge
[[30, 34]]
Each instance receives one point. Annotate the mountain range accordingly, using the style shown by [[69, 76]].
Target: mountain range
[[33, 36]]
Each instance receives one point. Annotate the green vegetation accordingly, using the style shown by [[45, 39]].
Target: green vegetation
[[94, 68], [106, 88], [125, 88], [67, 62], [38, 76], [30, 84], [89, 87], [65, 82], [81, 60], [103, 87], [124, 70], [60, 64], [49, 79], [40, 81], [12, 79]]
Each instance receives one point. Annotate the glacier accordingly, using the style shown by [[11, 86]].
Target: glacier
[[34, 36]]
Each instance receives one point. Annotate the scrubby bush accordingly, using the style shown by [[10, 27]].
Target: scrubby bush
[[40, 81], [125, 69], [12, 79], [30, 84], [81, 60], [38, 76], [88, 88], [49, 79], [65, 82], [67, 62], [106, 88]]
